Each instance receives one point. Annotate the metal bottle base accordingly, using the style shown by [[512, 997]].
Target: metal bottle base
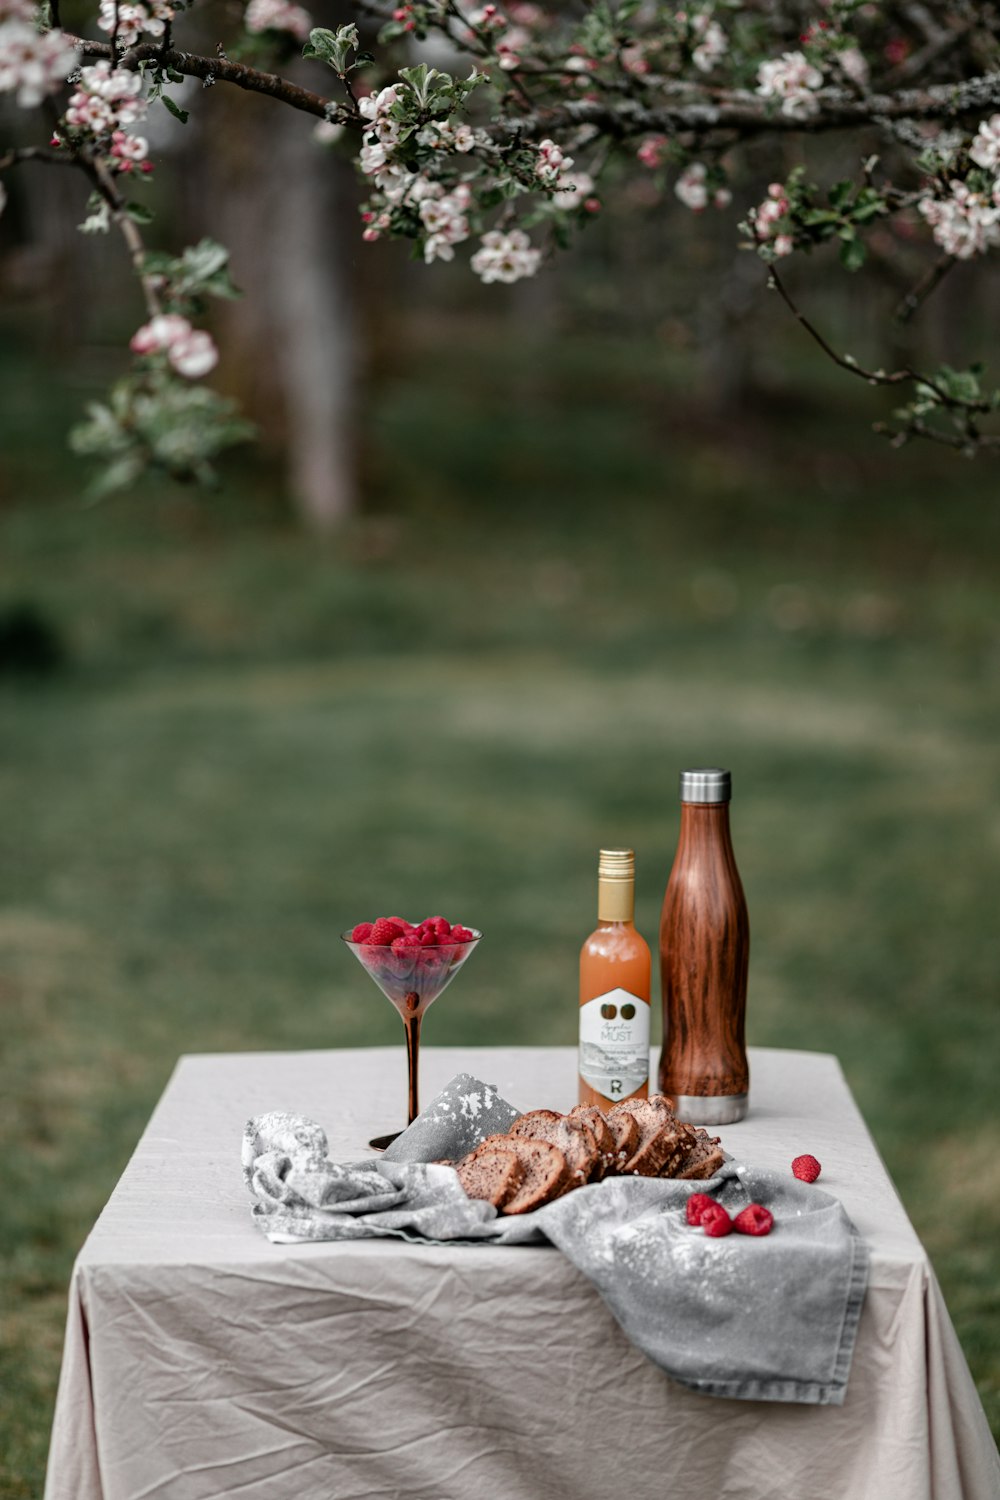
[[707, 1109]]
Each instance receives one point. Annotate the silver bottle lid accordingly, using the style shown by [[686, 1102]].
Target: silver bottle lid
[[707, 784]]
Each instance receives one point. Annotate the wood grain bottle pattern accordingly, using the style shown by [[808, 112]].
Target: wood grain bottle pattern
[[704, 956]]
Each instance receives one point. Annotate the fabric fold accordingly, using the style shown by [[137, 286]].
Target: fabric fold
[[772, 1318]]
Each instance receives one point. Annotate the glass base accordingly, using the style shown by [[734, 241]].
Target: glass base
[[379, 1142], [709, 1109]]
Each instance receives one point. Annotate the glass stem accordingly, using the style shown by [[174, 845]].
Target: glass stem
[[412, 1024]]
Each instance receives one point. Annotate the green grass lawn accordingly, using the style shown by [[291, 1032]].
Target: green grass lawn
[[256, 740]]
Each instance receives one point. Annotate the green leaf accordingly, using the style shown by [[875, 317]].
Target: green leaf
[[139, 213], [852, 253], [332, 47], [175, 109]]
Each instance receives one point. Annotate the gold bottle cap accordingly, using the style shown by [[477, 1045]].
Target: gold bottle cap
[[616, 885]]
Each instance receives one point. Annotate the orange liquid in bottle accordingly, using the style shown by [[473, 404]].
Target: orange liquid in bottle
[[614, 993]]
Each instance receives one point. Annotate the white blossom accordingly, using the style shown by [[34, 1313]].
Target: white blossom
[[713, 43], [965, 223], [278, 15], [327, 132], [98, 221], [106, 99], [691, 188], [505, 257], [33, 63], [985, 148], [853, 66], [573, 188], [792, 79], [133, 20], [17, 10], [373, 158]]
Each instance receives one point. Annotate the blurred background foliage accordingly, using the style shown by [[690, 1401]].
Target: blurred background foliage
[[601, 526]]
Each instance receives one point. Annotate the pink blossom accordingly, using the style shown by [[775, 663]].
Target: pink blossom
[[652, 151], [106, 99], [129, 148], [511, 46], [551, 163], [17, 10], [634, 59], [965, 223], [190, 351], [792, 79], [159, 333], [783, 244]]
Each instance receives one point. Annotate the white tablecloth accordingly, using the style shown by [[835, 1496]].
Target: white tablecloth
[[202, 1361]]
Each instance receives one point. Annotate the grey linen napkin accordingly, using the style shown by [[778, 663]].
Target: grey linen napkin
[[764, 1319]]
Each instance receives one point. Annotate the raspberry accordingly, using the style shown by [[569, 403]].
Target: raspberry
[[754, 1219], [715, 1221], [361, 933], [460, 934], [806, 1168], [696, 1206], [406, 944], [439, 926], [384, 931]]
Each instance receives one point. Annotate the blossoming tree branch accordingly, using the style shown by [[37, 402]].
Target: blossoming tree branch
[[496, 132]]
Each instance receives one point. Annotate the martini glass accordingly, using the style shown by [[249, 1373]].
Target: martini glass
[[412, 981]]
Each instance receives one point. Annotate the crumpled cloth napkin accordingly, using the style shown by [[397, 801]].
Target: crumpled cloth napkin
[[764, 1319]]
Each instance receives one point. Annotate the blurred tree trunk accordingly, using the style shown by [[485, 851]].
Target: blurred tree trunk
[[284, 206]]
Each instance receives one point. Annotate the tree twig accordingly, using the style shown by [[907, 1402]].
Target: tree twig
[[927, 284], [192, 65], [874, 377]]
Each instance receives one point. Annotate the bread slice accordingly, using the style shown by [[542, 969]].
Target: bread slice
[[546, 1175], [607, 1145], [625, 1129], [493, 1174], [574, 1138], [528, 1125], [655, 1110], [704, 1157]]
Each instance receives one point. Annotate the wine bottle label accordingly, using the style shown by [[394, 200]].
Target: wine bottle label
[[614, 1043]]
